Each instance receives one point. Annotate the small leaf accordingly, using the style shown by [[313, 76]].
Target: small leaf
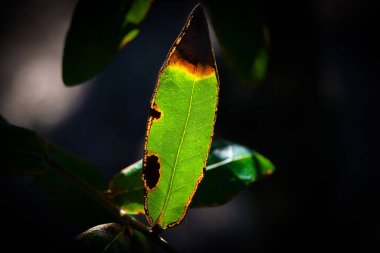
[[243, 37], [231, 165], [127, 189], [23, 152], [98, 30], [110, 237], [180, 125]]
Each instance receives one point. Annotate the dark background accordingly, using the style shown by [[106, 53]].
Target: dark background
[[314, 117]]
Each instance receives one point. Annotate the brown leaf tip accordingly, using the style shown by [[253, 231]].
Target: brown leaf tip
[[194, 45]]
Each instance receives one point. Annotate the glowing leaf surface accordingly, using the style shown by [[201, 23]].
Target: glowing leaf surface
[[180, 125]]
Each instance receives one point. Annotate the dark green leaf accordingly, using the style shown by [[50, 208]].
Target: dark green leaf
[[109, 237], [230, 169], [128, 190], [242, 36], [229, 165], [66, 196], [98, 30], [22, 151]]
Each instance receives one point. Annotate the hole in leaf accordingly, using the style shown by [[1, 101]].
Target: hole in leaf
[[152, 171], [154, 112]]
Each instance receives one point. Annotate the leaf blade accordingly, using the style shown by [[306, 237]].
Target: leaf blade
[[180, 128]]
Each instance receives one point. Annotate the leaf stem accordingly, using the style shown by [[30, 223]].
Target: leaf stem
[[114, 209]]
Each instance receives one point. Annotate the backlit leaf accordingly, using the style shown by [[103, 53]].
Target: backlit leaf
[[229, 164], [180, 125], [99, 28]]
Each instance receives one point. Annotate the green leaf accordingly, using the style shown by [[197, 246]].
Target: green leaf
[[243, 37], [65, 195], [233, 167], [180, 125], [127, 189], [98, 30], [24, 153], [229, 164], [110, 237]]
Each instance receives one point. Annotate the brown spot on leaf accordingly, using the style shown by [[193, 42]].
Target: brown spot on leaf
[[151, 172], [155, 112]]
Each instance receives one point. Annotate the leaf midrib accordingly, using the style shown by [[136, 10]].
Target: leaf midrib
[[178, 152]]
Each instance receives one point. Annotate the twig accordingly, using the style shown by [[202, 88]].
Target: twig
[[115, 210]]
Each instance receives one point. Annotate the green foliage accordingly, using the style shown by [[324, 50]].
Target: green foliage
[[243, 38], [23, 152], [179, 130], [110, 237], [127, 189], [232, 166], [229, 165], [49, 165], [98, 30]]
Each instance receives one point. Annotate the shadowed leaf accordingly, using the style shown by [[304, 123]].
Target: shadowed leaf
[[24, 153], [66, 196], [98, 30], [233, 167], [243, 37], [229, 165], [110, 237], [127, 189]]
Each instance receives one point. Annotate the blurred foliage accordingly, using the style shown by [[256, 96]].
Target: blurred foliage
[[98, 30], [23, 152], [22, 146], [243, 37]]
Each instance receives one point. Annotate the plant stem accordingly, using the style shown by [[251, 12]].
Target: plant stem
[[115, 210]]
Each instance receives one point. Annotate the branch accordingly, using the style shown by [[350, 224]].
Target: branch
[[115, 210]]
